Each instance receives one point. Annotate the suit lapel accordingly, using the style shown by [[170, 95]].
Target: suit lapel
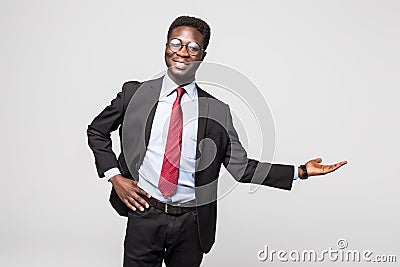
[[202, 121], [155, 86]]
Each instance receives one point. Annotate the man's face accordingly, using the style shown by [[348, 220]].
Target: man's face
[[182, 65]]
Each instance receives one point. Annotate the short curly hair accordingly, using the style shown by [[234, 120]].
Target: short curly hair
[[193, 22]]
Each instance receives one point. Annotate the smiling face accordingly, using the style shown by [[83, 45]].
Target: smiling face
[[181, 65]]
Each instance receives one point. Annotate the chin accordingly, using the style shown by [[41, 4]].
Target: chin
[[179, 72], [182, 75]]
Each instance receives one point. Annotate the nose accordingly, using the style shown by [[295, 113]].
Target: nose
[[183, 51]]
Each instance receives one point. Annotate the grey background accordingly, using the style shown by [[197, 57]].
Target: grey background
[[329, 70]]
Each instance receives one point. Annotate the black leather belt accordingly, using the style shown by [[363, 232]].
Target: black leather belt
[[168, 208]]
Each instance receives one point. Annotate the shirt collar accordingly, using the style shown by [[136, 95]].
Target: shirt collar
[[168, 86]]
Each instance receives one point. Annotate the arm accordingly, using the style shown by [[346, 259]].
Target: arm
[[275, 175], [99, 139], [99, 134], [252, 171]]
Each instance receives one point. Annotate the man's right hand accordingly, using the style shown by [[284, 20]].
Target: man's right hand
[[129, 192]]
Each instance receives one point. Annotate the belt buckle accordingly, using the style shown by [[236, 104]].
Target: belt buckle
[[166, 208]]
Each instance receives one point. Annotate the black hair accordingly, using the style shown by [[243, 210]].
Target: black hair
[[193, 22]]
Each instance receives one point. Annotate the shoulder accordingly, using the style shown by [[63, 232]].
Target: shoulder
[[129, 88], [212, 101]]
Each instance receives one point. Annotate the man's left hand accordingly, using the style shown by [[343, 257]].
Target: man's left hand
[[315, 168]]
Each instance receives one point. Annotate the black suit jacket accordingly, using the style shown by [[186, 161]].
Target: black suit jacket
[[132, 111]]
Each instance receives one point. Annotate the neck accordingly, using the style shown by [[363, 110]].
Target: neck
[[181, 80]]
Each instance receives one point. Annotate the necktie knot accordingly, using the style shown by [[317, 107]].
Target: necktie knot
[[180, 91]]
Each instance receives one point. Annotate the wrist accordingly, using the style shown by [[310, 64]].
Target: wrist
[[303, 174], [114, 179]]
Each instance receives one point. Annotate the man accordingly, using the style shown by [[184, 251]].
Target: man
[[174, 139]]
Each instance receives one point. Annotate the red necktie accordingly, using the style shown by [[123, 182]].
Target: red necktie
[[172, 156]]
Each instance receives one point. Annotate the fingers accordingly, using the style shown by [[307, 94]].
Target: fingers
[[333, 167], [140, 202], [137, 203], [340, 164], [132, 195], [318, 160], [135, 197], [128, 204], [142, 192]]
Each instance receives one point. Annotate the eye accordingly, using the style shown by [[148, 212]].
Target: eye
[[175, 43], [194, 47]]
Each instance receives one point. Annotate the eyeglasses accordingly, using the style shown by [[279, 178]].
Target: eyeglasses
[[193, 48]]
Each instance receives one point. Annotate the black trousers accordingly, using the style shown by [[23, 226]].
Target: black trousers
[[153, 236]]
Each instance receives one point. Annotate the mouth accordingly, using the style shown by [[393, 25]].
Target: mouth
[[181, 65]]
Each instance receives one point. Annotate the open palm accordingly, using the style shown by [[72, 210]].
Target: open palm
[[315, 168]]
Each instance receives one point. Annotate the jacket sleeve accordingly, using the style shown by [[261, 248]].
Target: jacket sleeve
[[99, 133], [252, 171]]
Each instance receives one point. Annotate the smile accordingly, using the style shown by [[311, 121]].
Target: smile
[[181, 65]]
